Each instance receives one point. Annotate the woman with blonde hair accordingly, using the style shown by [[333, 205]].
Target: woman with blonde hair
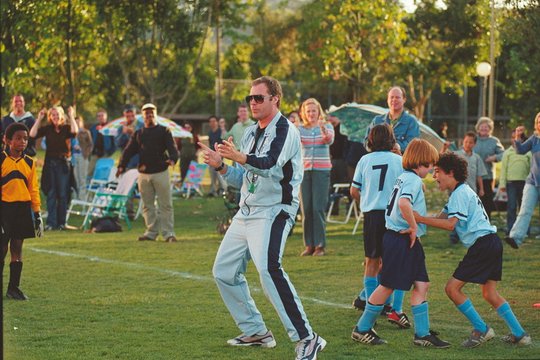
[[490, 150], [56, 171], [316, 136]]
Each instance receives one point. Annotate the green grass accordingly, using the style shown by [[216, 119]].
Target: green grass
[[108, 296]]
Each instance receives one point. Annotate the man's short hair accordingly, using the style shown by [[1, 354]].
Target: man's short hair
[[381, 138], [402, 89], [451, 162], [274, 87], [13, 128], [130, 107]]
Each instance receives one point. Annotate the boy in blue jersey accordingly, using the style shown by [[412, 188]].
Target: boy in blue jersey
[[403, 259], [483, 262], [372, 185]]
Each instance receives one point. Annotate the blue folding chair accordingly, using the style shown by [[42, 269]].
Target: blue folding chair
[[102, 176]]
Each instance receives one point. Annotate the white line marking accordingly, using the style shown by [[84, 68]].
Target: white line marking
[[181, 274]]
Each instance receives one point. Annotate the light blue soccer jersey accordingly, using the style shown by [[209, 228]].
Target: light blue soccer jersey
[[467, 207], [409, 186], [375, 176]]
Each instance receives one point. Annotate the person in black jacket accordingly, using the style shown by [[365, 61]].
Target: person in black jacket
[[19, 115], [151, 143]]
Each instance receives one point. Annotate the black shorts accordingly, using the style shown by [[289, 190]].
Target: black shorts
[[482, 262], [401, 265], [374, 229], [17, 220]]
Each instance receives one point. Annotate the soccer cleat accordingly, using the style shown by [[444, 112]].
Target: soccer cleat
[[16, 294], [387, 309], [430, 340], [309, 348], [359, 304], [523, 340], [510, 241], [367, 337], [266, 340], [401, 320], [477, 338]]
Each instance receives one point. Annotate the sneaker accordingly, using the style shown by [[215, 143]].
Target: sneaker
[[524, 339], [477, 338], [430, 340], [145, 238], [266, 340], [367, 337], [510, 241], [171, 239], [308, 349], [401, 320], [15, 294], [359, 304]]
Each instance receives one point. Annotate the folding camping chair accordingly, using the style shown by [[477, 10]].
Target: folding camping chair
[[335, 197], [104, 173], [192, 181], [110, 202]]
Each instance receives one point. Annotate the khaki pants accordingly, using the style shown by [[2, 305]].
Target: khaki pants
[[160, 219]]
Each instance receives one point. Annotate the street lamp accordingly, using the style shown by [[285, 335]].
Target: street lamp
[[483, 70]]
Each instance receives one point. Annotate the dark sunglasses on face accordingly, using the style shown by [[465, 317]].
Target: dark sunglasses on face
[[259, 99]]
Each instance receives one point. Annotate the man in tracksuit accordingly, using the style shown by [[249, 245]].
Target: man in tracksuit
[[269, 175]]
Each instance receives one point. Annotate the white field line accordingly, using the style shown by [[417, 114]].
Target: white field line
[[182, 274]]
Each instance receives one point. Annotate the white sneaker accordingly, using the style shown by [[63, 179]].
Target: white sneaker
[[266, 340], [307, 349]]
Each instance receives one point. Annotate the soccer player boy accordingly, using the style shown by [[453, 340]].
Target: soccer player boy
[[482, 264]]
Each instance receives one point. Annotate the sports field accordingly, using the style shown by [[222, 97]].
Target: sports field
[[112, 297]]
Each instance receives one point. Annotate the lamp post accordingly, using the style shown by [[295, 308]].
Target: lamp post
[[483, 70]]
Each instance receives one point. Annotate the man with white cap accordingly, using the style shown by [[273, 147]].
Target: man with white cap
[[157, 151]]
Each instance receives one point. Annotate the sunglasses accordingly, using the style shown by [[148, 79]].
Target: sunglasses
[[259, 99]]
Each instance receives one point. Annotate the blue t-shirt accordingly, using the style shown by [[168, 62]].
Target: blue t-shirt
[[409, 186], [473, 222], [375, 176]]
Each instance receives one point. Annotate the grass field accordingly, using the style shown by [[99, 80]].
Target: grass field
[[109, 296]]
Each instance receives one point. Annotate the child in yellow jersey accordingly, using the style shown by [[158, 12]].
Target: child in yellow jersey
[[19, 211]]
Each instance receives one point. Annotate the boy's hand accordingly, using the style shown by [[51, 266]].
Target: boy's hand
[[412, 235]]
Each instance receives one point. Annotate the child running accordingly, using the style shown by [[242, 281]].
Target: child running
[[403, 259], [483, 262], [372, 185], [20, 197]]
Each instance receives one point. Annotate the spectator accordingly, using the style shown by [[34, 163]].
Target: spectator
[[269, 173], [188, 150], [490, 150], [122, 138], [103, 145], [82, 148], [18, 114], [338, 153], [151, 143], [238, 129], [404, 124], [295, 118], [217, 184], [531, 190], [443, 130], [316, 136], [57, 168], [514, 171], [223, 125], [355, 151]]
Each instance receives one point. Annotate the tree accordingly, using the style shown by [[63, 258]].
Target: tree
[[442, 47], [520, 66]]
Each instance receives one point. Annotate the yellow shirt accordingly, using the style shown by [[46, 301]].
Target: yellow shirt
[[19, 180]]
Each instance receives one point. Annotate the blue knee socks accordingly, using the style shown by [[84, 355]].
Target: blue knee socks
[[370, 284], [506, 313], [368, 318], [421, 319], [470, 313], [397, 304]]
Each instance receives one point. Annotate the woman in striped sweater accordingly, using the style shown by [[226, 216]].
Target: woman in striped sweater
[[316, 136]]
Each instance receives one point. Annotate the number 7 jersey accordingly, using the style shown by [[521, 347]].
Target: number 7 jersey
[[375, 176]]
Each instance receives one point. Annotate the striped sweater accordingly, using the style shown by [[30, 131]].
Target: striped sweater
[[315, 150]]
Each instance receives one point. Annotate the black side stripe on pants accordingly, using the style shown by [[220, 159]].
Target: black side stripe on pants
[[276, 273]]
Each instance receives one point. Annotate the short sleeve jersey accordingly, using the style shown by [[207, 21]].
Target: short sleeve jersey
[[467, 207], [375, 176], [408, 186]]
